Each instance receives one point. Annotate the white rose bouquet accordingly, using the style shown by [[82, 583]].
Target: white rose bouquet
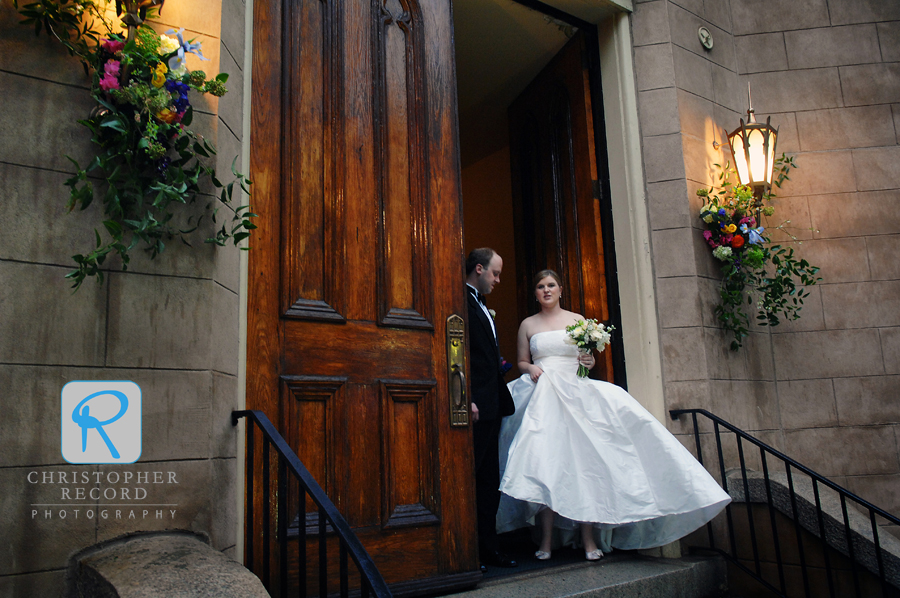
[[589, 335]]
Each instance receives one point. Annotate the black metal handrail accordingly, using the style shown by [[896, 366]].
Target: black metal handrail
[[852, 543], [329, 519]]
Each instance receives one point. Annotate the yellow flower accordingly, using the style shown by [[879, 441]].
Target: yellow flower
[[167, 45], [730, 228], [159, 75], [167, 116]]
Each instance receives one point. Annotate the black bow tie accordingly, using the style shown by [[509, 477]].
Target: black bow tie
[[479, 297]]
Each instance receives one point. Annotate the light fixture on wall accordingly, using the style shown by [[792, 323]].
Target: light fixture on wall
[[753, 147]]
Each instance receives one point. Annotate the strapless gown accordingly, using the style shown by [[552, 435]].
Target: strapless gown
[[592, 453]]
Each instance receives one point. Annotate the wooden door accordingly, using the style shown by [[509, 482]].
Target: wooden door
[[557, 191], [356, 267]]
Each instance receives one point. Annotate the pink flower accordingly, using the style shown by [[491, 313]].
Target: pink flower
[[727, 239], [109, 82], [707, 235], [112, 67], [112, 45]]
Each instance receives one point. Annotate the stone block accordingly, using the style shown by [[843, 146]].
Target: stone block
[[224, 336], [868, 84], [863, 11], [668, 205], [176, 565], [881, 253], [695, 6], [807, 404], [793, 214], [48, 584], [832, 46], [177, 413], [788, 141], [877, 168], [700, 157], [845, 128], [895, 109], [889, 39], [687, 394], [61, 328], [883, 491], [190, 497], [233, 27], [44, 113], [679, 302], [653, 67], [160, 322], [684, 26], [709, 289], [812, 316], [758, 16], [673, 252], [203, 18], [663, 158], [840, 260], [761, 53], [748, 404], [855, 214], [697, 117], [45, 540], [820, 173], [890, 347], [44, 232], [223, 502], [862, 304], [650, 23], [869, 450], [231, 105], [827, 354], [718, 12], [867, 401], [659, 111], [729, 91], [692, 72], [223, 436], [795, 90], [683, 352], [752, 362], [42, 57]]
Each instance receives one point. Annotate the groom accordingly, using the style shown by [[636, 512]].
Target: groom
[[491, 400]]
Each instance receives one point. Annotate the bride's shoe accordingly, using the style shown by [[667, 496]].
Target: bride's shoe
[[594, 555], [541, 555]]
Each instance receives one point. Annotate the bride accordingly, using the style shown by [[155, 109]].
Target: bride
[[583, 454]]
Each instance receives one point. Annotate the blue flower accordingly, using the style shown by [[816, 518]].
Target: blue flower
[[755, 235], [177, 61], [722, 212]]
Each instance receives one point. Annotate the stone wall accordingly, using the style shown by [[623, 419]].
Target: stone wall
[[823, 388], [170, 325]]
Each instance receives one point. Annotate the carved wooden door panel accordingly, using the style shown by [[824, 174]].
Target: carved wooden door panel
[[356, 268], [556, 189]]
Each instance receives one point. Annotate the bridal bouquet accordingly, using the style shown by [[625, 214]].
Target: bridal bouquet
[[588, 335]]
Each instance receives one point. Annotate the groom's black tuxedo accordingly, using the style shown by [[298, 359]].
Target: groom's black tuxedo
[[492, 397]]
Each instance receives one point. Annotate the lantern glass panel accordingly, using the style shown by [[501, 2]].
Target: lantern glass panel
[[740, 159]]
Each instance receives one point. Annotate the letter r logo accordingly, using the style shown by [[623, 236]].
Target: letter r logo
[[101, 421]]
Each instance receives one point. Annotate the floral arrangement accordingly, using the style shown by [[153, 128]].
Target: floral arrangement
[[148, 161], [587, 336], [753, 268]]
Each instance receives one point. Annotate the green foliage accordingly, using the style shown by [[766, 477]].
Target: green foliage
[[759, 278], [148, 165]]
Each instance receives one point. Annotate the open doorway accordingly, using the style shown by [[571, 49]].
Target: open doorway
[[527, 204]]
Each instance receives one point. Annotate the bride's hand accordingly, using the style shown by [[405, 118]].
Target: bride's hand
[[587, 360], [535, 373]]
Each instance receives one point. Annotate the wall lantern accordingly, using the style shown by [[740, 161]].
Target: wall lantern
[[753, 147]]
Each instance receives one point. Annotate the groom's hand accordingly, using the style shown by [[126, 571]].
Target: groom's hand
[[474, 413]]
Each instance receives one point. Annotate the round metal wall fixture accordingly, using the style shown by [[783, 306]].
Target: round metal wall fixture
[[705, 38]]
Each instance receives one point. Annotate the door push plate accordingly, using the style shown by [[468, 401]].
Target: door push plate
[[456, 371]]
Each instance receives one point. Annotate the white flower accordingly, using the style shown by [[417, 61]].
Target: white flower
[[493, 314], [167, 45], [722, 253]]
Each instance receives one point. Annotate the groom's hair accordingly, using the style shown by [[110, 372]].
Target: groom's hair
[[482, 255]]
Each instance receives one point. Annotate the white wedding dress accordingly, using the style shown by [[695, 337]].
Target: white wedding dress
[[592, 453]]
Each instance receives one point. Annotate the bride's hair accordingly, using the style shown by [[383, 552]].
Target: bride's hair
[[544, 274]]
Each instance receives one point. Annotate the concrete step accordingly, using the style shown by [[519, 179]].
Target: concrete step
[[616, 576]]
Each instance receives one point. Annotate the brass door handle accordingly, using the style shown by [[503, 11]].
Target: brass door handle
[[456, 375]]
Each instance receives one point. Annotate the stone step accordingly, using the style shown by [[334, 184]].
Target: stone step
[[616, 576]]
